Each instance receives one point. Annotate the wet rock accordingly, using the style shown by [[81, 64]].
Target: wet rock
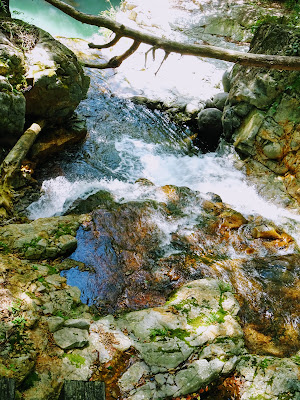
[[167, 337], [262, 113], [210, 128], [266, 232], [55, 140], [70, 338]]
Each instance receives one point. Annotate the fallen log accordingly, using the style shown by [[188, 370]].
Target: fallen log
[[12, 163]]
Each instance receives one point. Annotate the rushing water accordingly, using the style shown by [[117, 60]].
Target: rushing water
[[127, 142]]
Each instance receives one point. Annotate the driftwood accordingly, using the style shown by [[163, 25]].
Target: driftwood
[[169, 46], [12, 163]]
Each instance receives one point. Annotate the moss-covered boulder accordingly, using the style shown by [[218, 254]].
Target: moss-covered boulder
[[42, 238], [39, 78], [58, 80]]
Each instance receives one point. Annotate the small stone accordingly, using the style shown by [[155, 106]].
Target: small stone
[[75, 293], [51, 252], [132, 376], [34, 253], [70, 338]]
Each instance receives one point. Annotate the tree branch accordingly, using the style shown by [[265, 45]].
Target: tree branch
[[106, 45], [115, 62], [169, 46]]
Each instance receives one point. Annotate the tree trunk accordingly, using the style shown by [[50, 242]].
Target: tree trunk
[[4, 8]]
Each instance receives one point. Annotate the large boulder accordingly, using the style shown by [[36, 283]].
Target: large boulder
[[39, 78], [262, 116], [58, 80]]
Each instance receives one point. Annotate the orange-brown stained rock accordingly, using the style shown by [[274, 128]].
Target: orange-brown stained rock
[[112, 371]]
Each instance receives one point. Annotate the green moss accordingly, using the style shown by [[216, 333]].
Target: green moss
[[4, 248], [267, 19], [208, 319], [52, 270], [264, 364], [32, 243], [169, 333], [296, 359], [75, 359], [64, 229]]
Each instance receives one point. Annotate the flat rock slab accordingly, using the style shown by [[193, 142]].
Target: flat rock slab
[[71, 338]]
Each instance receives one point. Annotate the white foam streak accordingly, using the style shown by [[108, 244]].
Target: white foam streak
[[205, 173]]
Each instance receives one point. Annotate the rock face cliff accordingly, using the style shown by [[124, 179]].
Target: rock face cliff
[[262, 115]]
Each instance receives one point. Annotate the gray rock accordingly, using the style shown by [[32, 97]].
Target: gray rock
[[70, 338], [217, 101], [199, 373], [226, 81], [56, 280], [67, 243], [59, 83], [55, 323], [77, 323], [132, 376]]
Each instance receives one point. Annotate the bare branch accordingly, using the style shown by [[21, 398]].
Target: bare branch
[[106, 45], [170, 46], [116, 61], [163, 60]]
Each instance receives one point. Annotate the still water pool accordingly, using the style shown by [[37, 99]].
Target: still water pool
[[42, 14]]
